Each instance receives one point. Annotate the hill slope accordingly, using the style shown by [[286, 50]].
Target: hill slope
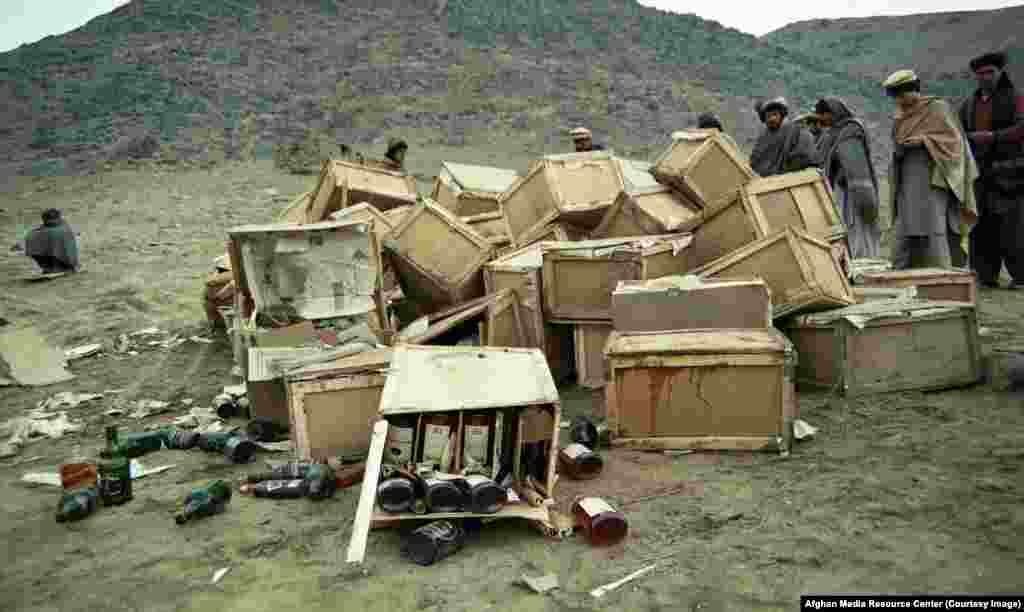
[[937, 45], [202, 80]]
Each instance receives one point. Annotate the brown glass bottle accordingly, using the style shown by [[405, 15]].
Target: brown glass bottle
[[579, 462], [437, 431], [477, 432], [601, 524]]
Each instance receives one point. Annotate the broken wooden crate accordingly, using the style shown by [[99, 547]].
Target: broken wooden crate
[[520, 270], [579, 277], [333, 405], [512, 386], [492, 227], [556, 232], [265, 383], [723, 389], [364, 212], [469, 190], [438, 257], [888, 345], [703, 164], [689, 302], [949, 284], [343, 184], [654, 210], [492, 320], [576, 191], [589, 340], [320, 270], [801, 272]]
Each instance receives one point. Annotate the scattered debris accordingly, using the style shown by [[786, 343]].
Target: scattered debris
[[235, 390], [541, 584], [82, 351], [803, 430], [53, 479], [601, 590], [27, 359], [35, 424], [67, 399], [200, 340], [148, 408], [219, 574]]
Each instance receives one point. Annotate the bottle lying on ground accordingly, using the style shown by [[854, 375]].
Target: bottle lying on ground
[[236, 448], [320, 480], [579, 462], [433, 542], [138, 444], [277, 489], [115, 476], [204, 501], [181, 439], [263, 429], [601, 524], [77, 504]]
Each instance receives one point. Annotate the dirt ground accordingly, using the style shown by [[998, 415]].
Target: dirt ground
[[904, 492]]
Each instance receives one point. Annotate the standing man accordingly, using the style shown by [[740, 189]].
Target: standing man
[[583, 140], [52, 245], [784, 146], [994, 121], [846, 162], [932, 177]]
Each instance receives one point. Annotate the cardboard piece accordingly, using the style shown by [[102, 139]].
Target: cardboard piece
[[343, 183], [577, 191], [801, 272], [438, 257], [701, 389], [469, 190], [579, 277], [705, 165], [689, 302], [949, 284], [656, 210], [888, 345], [26, 358]]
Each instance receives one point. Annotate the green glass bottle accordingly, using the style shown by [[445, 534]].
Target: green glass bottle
[[77, 504], [115, 474], [204, 501]]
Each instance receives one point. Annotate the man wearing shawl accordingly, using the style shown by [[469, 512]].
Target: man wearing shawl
[[784, 146], [709, 121], [52, 245], [994, 121], [932, 178], [845, 159]]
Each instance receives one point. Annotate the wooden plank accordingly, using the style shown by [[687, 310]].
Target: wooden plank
[[381, 519], [368, 494]]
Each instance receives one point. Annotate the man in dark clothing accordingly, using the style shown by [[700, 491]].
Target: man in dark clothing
[[783, 146], [708, 121], [52, 245], [846, 162], [396, 153], [994, 121], [583, 140]]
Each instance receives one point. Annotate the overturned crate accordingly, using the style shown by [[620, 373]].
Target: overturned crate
[[888, 345], [439, 388], [653, 210], [689, 302], [520, 270], [469, 190], [802, 272], [343, 184], [579, 277], [575, 191], [724, 389], [492, 227], [703, 164], [438, 257], [333, 405], [492, 320], [364, 212], [556, 232], [949, 284]]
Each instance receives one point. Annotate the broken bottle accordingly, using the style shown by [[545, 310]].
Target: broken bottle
[[204, 501]]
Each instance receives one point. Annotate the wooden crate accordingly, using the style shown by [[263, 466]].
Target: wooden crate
[[802, 272], [800, 199], [265, 385], [688, 302], [575, 191], [426, 380], [555, 232], [343, 184], [579, 277], [703, 164], [701, 389], [589, 340], [323, 270], [334, 417], [874, 294], [496, 318], [888, 345], [470, 190], [438, 257], [364, 212], [520, 271], [492, 227], [860, 267], [657, 210], [949, 284]]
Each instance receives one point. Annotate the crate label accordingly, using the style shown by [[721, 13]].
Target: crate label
[[399, 444], [476, 443], [594, 506], [435, 442]]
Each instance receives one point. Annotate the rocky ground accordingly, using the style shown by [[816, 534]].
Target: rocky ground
[[905, 492]]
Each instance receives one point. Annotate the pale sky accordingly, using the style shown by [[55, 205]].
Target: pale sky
[[27, 21]]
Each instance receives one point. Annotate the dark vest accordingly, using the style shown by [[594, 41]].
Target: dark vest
[[1004, 115]]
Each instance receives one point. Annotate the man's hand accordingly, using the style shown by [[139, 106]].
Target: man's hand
[[981, 138]]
